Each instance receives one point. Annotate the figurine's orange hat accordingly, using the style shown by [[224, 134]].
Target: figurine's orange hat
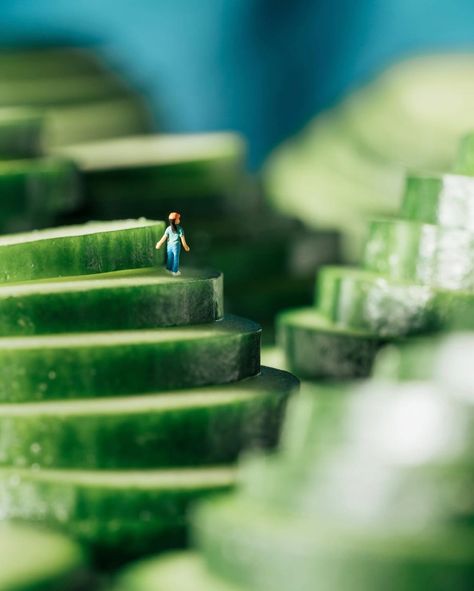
[[174, 215]]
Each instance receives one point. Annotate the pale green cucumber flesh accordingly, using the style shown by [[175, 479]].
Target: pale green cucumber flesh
[[315, 348], [201, 426], [101, 364], [174, 572], [80, 250], [141, 298], [33, 560], [255, 547]]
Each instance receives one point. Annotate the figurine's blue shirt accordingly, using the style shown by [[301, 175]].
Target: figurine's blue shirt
[[174, 238]]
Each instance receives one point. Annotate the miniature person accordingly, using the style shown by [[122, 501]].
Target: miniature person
[[174, 236]]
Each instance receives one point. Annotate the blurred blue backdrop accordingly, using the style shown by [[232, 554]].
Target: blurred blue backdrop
[[262, 67]]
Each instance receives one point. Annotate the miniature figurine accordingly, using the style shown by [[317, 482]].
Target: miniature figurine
[[174, 235]]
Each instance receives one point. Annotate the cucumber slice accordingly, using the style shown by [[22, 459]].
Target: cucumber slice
[[315, 348], [20, 133], [80, 250], [174, 572], [248, 544], [84, 365], [360, 300], [446, 200], [125, 513], [141, 298], [156, 173], [35, 190], [465, 159], [422, 253], [124, 114], [201, 426], [28, 92], [32, 560]]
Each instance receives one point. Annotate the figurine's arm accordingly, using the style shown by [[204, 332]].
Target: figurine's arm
[[162, 240], [185, 244]]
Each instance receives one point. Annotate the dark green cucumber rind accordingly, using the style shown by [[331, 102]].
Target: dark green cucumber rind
[[423, 253], [174, 572], [37, 189], [202, 426], [445, 200], [142, 298], [317, 349], [259, 549], [33, 560], [20, 133], [85, 365], [357, 299], [100, 248], [129, 513]]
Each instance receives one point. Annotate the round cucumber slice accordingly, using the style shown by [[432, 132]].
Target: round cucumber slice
[[84, 365], [315, 348], [201, 426], [20, 133], [35, 190], [33, 560], [250, 545], [422, 253], [174, 572], [166, 172], [141, 298], [360, 300], [116, 513], [80, 250], [446, 200]]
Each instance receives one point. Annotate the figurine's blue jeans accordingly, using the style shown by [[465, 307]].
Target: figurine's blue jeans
[[172, 257]]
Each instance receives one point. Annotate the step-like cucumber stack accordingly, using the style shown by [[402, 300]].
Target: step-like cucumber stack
[[83, 97], [371, 489], [268, 261], [417, 276], [349, 162], [35, 188], [125, 394]]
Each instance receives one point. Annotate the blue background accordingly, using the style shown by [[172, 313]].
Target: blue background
[[262, 67]]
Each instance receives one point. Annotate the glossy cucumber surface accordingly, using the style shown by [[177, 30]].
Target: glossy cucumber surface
[[140, 298], [109, 363], [201, 426], [124, 513], [80, 250], [315, 348]]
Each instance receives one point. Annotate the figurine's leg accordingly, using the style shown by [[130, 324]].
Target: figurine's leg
[[176, 260], [170, 259]]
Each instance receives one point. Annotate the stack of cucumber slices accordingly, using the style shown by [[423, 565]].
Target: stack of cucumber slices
[[34, 188], [125, 393], [371, 489], [268, 260], [417, 277], [83, 98], [349, 162]]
